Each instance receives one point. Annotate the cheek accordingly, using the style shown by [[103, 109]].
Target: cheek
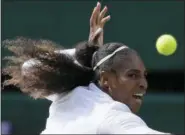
[[122, 91], [128, 85], [131, 86]]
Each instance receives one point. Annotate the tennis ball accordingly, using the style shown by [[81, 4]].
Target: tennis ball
[[166, 45]]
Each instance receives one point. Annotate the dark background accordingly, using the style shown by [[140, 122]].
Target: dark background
[[137, 24]]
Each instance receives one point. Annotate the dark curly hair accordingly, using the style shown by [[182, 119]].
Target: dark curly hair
[[48, 72], [54, 73]]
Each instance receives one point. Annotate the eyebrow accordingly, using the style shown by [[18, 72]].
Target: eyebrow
[[136, 70]]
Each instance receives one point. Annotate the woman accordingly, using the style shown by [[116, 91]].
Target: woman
[[108, 104], [105, 106], [97, 94]]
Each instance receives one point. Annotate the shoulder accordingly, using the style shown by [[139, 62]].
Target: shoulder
[[120, 118], [119, 111]]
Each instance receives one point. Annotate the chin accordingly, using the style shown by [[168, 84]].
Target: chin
[[135, 109]]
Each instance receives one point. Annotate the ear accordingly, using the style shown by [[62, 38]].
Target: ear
[[104, 79], [107, 79]]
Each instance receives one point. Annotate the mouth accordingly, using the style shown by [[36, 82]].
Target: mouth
[[138, 96]]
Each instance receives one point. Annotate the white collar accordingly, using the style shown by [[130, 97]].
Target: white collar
[[94, 87]]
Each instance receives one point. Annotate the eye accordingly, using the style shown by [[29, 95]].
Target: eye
[[132, 75]]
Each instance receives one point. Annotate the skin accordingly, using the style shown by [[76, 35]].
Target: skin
[[97, 23], [128, 80]]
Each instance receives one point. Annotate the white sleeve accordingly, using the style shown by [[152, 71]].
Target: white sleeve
[[119, 122]]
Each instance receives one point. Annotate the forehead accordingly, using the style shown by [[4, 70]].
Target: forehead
[[131, 62]]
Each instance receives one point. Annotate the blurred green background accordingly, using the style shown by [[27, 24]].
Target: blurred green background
[[135, 23]]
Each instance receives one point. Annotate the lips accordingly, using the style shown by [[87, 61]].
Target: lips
[[138, 95]]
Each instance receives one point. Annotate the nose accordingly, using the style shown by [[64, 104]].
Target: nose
[[143, 84]]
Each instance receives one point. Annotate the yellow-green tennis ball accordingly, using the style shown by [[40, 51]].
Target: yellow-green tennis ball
[[166, 45]]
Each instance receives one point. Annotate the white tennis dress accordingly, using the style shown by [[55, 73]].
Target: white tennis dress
[[88, 110]]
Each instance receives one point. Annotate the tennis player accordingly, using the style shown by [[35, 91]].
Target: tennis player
[[109, 104], [90, 94]]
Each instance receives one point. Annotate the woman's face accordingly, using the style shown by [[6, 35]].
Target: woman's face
[[128, 84]]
